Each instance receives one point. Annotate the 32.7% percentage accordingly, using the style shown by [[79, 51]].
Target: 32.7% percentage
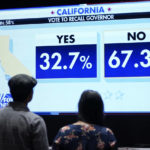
[[58, 58]]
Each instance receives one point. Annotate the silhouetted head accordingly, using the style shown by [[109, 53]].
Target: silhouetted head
[[21, 87], [91, 107]]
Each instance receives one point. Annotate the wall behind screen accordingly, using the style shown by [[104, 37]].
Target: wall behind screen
[[131, 130]]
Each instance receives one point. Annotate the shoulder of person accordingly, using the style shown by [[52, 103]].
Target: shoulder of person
[[34, 117], [65, 128]]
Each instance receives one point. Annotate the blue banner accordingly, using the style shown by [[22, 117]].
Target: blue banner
[[127, 59], [67, 61]]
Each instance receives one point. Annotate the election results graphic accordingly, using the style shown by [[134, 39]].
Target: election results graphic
[[66, 55], [75, 61], [69, 49], [128, 55], [127, 60]]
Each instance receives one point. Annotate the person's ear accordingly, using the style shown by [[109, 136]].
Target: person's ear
[[29, 98]]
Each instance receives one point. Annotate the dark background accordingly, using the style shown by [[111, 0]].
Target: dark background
[[42, 3], [130, 129]]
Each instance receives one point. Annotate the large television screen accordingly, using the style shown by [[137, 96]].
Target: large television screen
[[69, 49]]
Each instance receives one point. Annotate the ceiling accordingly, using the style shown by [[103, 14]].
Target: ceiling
[[41, 3]]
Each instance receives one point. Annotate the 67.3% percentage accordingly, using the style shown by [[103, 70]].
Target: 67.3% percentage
[[58, 58]]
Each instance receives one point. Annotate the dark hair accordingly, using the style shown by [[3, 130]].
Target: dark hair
[[91, 107], [21, 86]]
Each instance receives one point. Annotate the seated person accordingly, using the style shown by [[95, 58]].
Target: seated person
[[87, 133]]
